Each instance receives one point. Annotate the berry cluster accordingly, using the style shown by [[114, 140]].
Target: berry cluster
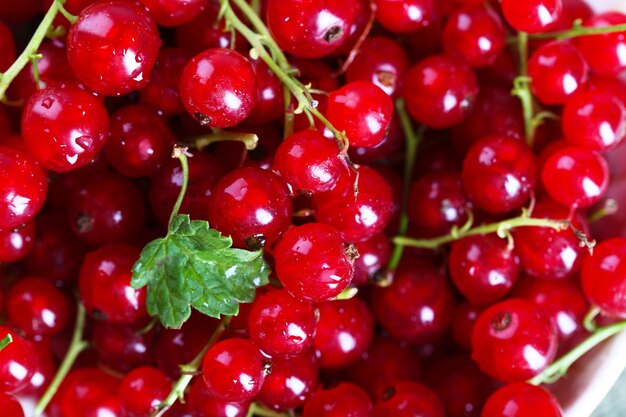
[[358, 217]]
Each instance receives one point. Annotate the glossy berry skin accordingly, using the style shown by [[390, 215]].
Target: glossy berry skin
[[374, 254], [401, 16], [161, 93], [310, 29], [532, 16], [408, 399], [17, 362], [10, 406], [233, 370], [603, 52], [270, 102], [107, 209], [604, 277], [197, 36], [308, 161], [417, 307], [122, 347], [594, 120], [513, 340], [344, 332], [139, 141], [475, 34], [575, 177], [291, 382], [64, 127], [463, 320], [437, 203], [557, 70], [7, 45], [218, 87], [16, 243], [361, 217], [439, 91], [362, 110], [313, 262], [113, 46], [23, 188], [483, 268], [280, 325], [87, 392], [381, 61], [142, 390], [37, 307], [252, 206], [202, 404], [104, 285], [499, 174], [174, 12], [547, 253], [520, 399], [344, 400]]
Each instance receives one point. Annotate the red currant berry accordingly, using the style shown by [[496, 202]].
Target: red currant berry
[[252, 206], [594, 120], [16, 243], [233, 370], [475, 34], [139, 141], [291, 382], [483, 268], [513, 340], [313, 262], [270, 102], [374, 254], [344, 332], [122, 347], [575, 177], [557, 70], [439, 91], [10, 406], [88, 392], [520, 400], [207, 31], [532, 16], [604, 52], [104, 285], [37, 307], [362, 110], [407, 399], [308, 161], [346, 400], [203, 404], [281, 325], [23, 188], [113, 46], [604, 277], [174, 12], [401, 16], [499, 174], [417, 307], [310, 29], [463, 320], [142, 390], [64, 127], [161, 93], [17, 362], [218, 87], [381, 61]]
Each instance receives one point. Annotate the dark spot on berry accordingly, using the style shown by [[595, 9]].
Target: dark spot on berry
[[351, 252], [333, 34], [255, 242], [203, 119], [501, 321], [267, 367], [386, 78], [98, 314], [84, 223], [388, 393]]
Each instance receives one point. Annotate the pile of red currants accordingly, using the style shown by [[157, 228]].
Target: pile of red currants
[[281, 208]]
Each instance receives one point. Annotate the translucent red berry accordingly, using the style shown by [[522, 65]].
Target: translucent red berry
[[142, 390], [521, 399], [532, 16], [345, 399], [401, 16]]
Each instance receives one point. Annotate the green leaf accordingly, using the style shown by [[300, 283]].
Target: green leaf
[[6, 341], [195, 266]]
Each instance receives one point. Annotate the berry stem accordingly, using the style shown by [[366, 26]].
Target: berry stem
[[70, 17], [250, 140], [589, 319], [609, 208], [260, 411], [24, 59], [578, 30], [180, 153], [76, 347], [501, 228], [521, 89], [190, 369], [560, 366], [413, 140], [6, 341]]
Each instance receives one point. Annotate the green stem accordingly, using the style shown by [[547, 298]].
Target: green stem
[[6, 341], [250, 140], [500, 228], [33, 60], [76, 347], [70, 17], [578, 30], [180, 153], [189, 370], [609, 208], [31, 49], [521, 89], [589, 320], [558, 368], [260, 411], [413, 140]]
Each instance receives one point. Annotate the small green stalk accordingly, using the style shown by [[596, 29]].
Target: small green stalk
[[189, 370], [76, 347], [578, 30], [70, 17], [250, 140], [260, 411], [559, 368], [501, 228], [6, 341], [180, 153]]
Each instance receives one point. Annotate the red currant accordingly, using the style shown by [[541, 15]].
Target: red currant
[[142, 390], [532, 16], [401, 16], [17, 243], [521, 399], [604, 52], [345, 400], [407, 399], [17, 362]]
